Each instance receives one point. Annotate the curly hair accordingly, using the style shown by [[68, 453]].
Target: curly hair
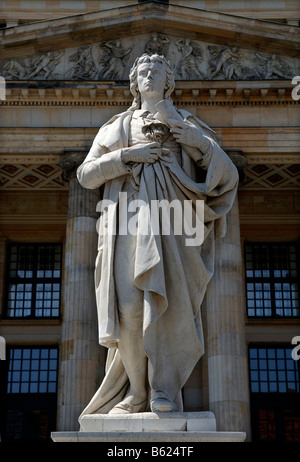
[[145, 58]]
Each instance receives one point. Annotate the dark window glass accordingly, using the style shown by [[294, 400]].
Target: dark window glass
[[267, 425], [274, 394], [14, 424], [272, 370], [28, 395], [32, 370], [272, 280], [291, 425], [34, 280]]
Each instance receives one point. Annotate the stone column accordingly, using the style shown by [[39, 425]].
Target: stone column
[[3, 242], [79, 349], [226, 340]]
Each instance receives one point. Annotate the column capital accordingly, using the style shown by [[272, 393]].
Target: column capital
[[70, 161], [240, 161]]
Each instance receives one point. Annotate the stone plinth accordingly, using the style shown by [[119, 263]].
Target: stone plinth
[[149, 421], [149, 427]]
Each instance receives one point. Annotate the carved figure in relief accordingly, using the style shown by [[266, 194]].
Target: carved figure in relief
[[115, 59], [14, 70], [38, 66], [44, 65], [225, 59], [191, 58], [149, 283], [84, 64], [274, 66], [156, 44]]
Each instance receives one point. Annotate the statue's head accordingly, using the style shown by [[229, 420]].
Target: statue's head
[[145, 58]]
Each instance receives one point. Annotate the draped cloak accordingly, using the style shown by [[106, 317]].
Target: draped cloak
[[172, 275]]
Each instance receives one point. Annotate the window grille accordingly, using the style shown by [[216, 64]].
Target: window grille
[[272, 280], [34, 280]]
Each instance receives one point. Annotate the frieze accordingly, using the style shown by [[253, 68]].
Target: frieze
[[112, 59]]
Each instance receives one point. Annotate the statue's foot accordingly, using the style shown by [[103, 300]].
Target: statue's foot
[[127, 408], [163, 405]]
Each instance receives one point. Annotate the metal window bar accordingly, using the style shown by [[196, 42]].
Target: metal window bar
[[34, 281], [272, 276], [32, 370], [272, 370]]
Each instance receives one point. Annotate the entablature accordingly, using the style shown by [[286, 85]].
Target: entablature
[[273, 160], [191, 92], [267, 144]]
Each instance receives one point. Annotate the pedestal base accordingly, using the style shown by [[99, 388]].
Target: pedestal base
[[149, 427]]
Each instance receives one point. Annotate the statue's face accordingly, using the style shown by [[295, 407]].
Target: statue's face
[[151, 79]]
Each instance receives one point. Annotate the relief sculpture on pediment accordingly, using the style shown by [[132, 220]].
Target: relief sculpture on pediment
[[225, 61], [84, 65], [114, 60], [273, 66], [157, 44], [39, 67], [191, 59]]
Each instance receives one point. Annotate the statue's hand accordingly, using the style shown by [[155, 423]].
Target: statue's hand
[[189, 135], [142, 153]]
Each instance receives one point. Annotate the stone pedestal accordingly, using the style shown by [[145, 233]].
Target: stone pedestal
[[147, 427]]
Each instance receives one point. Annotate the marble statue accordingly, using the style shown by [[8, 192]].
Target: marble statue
[[149, 287]]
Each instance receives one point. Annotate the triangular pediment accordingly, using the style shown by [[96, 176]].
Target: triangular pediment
[[200, 45]]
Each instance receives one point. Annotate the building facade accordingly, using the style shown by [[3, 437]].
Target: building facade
[[64, 68]]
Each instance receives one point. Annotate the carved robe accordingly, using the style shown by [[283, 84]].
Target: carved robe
[[172, 275]]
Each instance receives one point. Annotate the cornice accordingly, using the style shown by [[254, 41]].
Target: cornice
[[253, 159], [16, 158], [33, 219], [273, 159], [132, 20], [30, 159], [265, 219], [193, 93]]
